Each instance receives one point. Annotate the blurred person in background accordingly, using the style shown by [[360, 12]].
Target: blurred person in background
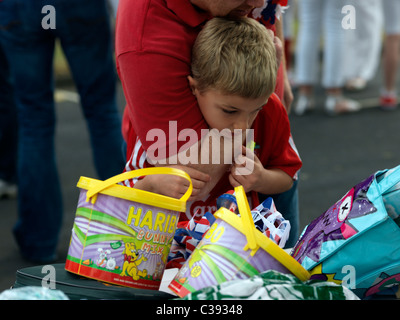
[[321, 18], [391, 48], [363, 44], [28, 31], [8, 132], [289, 19]]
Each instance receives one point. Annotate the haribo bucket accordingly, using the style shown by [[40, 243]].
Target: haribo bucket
[[233, 249], [123, 235]]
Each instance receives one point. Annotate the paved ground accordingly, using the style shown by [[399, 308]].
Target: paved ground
[[338, 152]]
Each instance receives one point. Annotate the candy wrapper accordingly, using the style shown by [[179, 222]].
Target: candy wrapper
[[32, 293], [189, 233], [228, 200], [273, 285], [270, 222]]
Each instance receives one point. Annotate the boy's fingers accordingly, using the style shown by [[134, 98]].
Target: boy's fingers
[[197, 184], [240, 161], [194, 173], [234, 183], [198, 175]]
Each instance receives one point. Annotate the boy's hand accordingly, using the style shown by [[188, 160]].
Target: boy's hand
[[175, 186], [246, 171]]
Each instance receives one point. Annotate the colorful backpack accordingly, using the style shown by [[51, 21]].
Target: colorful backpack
[[356, 242]]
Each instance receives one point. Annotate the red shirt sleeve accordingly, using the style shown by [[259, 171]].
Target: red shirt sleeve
[[274, 143], [153, 48], [159, 100]]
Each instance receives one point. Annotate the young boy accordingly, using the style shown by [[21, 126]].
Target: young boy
[[233, 78]]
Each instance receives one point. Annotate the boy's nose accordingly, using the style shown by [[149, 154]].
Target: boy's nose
[[241, 124]]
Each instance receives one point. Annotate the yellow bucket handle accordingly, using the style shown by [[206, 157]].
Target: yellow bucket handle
[[102, 185], [247, 219], [266, 244]]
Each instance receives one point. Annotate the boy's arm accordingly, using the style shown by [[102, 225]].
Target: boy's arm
[[273, 181], [205, 163]]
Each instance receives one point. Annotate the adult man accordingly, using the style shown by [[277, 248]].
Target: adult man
[[83, 29], [154, 40]]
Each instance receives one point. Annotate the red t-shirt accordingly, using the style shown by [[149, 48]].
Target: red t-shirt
[[274, 148], [154, 40]]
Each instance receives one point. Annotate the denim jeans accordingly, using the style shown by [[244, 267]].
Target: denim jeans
[[8, 124], [287, 203], [83, 29]]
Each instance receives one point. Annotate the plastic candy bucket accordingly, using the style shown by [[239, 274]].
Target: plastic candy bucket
[[233, 249], [123, 235]]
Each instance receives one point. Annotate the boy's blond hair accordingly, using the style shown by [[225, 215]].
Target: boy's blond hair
[[235, 56]]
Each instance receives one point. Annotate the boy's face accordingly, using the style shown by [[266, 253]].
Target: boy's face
[[227, 111], [222, 8]]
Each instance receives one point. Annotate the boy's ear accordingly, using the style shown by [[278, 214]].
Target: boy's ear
[[192, 84]]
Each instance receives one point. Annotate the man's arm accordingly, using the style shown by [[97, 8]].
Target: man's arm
[[205, 161], [287, 91], [175, 102]]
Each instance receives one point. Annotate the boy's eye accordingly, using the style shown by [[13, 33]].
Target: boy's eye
[[228, 111]]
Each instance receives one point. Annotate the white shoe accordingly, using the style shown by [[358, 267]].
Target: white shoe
[[8, 189], [356, 84], [338, 104], [304, 103]]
